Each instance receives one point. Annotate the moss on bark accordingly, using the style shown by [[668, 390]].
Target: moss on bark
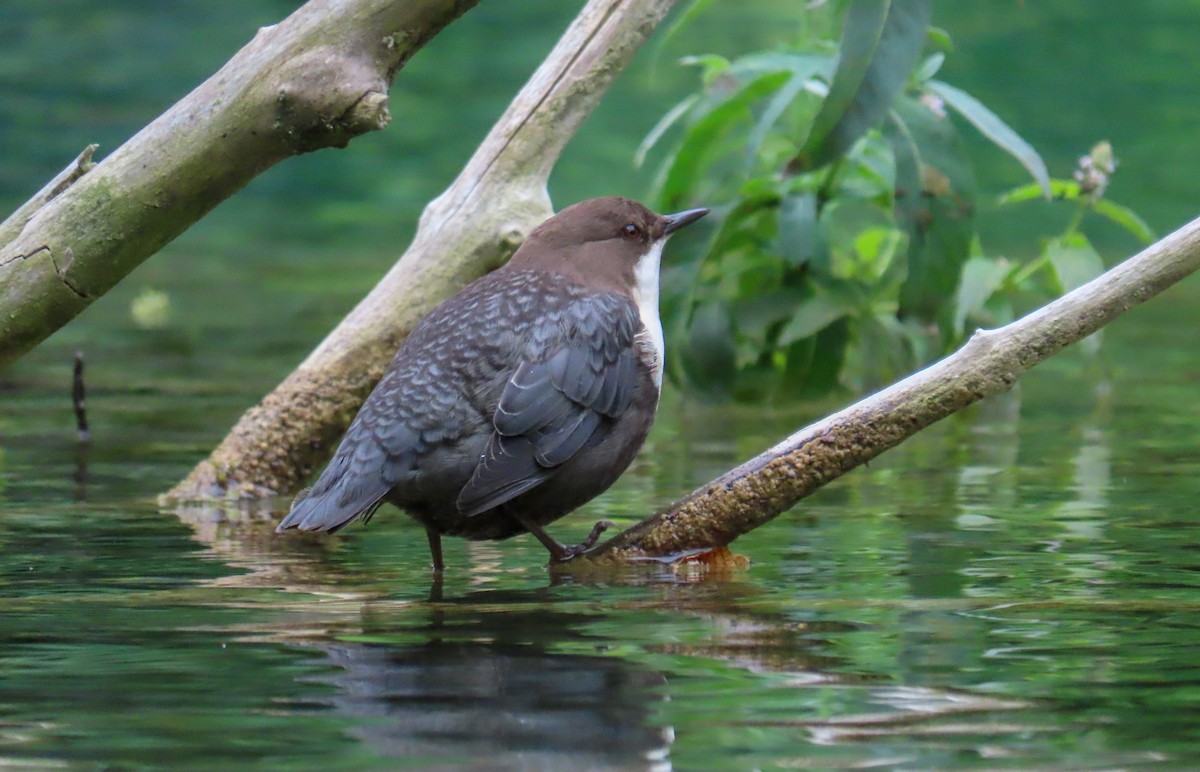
[[273, 99]]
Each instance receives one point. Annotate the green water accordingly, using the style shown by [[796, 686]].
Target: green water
[[1016, 588]]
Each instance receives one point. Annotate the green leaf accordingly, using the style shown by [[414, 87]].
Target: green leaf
[[929, 67], [775, 108], [869, 171], [886, 350], [981, 277], [804, 65], [1126, 218], [990, 125], [881, 43], [755, 315], [800, 239], [813, 316], [936, 257], [666, 122], [756, 199], [929, 146], [877, 248], [1066, 190], [939, 39], [1075, 261], [814, 365], [843, 220], [711, 66], [691, 160], [906, 157], [935, 203], [709, 358]]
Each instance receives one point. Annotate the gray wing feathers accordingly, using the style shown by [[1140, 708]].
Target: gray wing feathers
[[566, 440], [557, 403], [363, 470], [529, 401], [508, 469]]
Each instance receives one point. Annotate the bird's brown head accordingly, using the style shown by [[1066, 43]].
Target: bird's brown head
[[602, 242]]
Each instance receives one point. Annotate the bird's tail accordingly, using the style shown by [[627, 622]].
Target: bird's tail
[[339, 496]]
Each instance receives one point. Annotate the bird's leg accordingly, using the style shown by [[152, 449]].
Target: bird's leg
[[435, 549], [561, 553], [435, 596]]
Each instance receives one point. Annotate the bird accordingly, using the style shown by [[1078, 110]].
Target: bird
[[521, 397]]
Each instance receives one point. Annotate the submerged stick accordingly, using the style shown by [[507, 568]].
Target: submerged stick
[[989, 363], [79, 396]]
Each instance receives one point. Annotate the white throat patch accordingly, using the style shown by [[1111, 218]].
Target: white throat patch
[[645, 295]]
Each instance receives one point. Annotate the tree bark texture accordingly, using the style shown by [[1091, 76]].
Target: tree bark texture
[[990, 363], [471, 228], [317, 79]]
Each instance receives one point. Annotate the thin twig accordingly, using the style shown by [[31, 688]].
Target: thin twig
[[79, 393]]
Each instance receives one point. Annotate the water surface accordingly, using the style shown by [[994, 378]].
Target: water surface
[[1014, 588]]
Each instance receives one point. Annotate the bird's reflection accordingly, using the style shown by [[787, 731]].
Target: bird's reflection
[[515, 706], [499, 679], [495, 679]]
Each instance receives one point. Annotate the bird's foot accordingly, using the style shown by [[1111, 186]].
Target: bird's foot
[[566, 552], [561, 553]]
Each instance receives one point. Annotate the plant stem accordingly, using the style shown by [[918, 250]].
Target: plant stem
[[1081, 208]]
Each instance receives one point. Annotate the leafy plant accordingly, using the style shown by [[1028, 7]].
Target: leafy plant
[[842, 250]]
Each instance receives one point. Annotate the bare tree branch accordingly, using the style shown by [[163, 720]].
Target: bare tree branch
[[317, 79], [468, 230], [990, 363]]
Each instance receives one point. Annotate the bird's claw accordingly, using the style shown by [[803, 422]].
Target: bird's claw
[[571, 551]]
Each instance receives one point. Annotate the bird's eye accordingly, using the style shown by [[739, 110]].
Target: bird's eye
[[631, 231]]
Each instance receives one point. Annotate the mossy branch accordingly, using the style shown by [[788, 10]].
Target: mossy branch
[[317, 79]]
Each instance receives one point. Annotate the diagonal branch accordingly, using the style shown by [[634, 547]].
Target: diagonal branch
[[469, 229], [990, 363], [317, 79], [9, 229]]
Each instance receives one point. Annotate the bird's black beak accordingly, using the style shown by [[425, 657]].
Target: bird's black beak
[[673, 222]]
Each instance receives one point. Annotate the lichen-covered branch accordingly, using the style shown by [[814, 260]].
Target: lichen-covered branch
[[82, 164], [990, 363], [470, 229], [317, 79]]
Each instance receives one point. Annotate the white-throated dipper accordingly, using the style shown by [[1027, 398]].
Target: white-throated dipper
[[522, 397]]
